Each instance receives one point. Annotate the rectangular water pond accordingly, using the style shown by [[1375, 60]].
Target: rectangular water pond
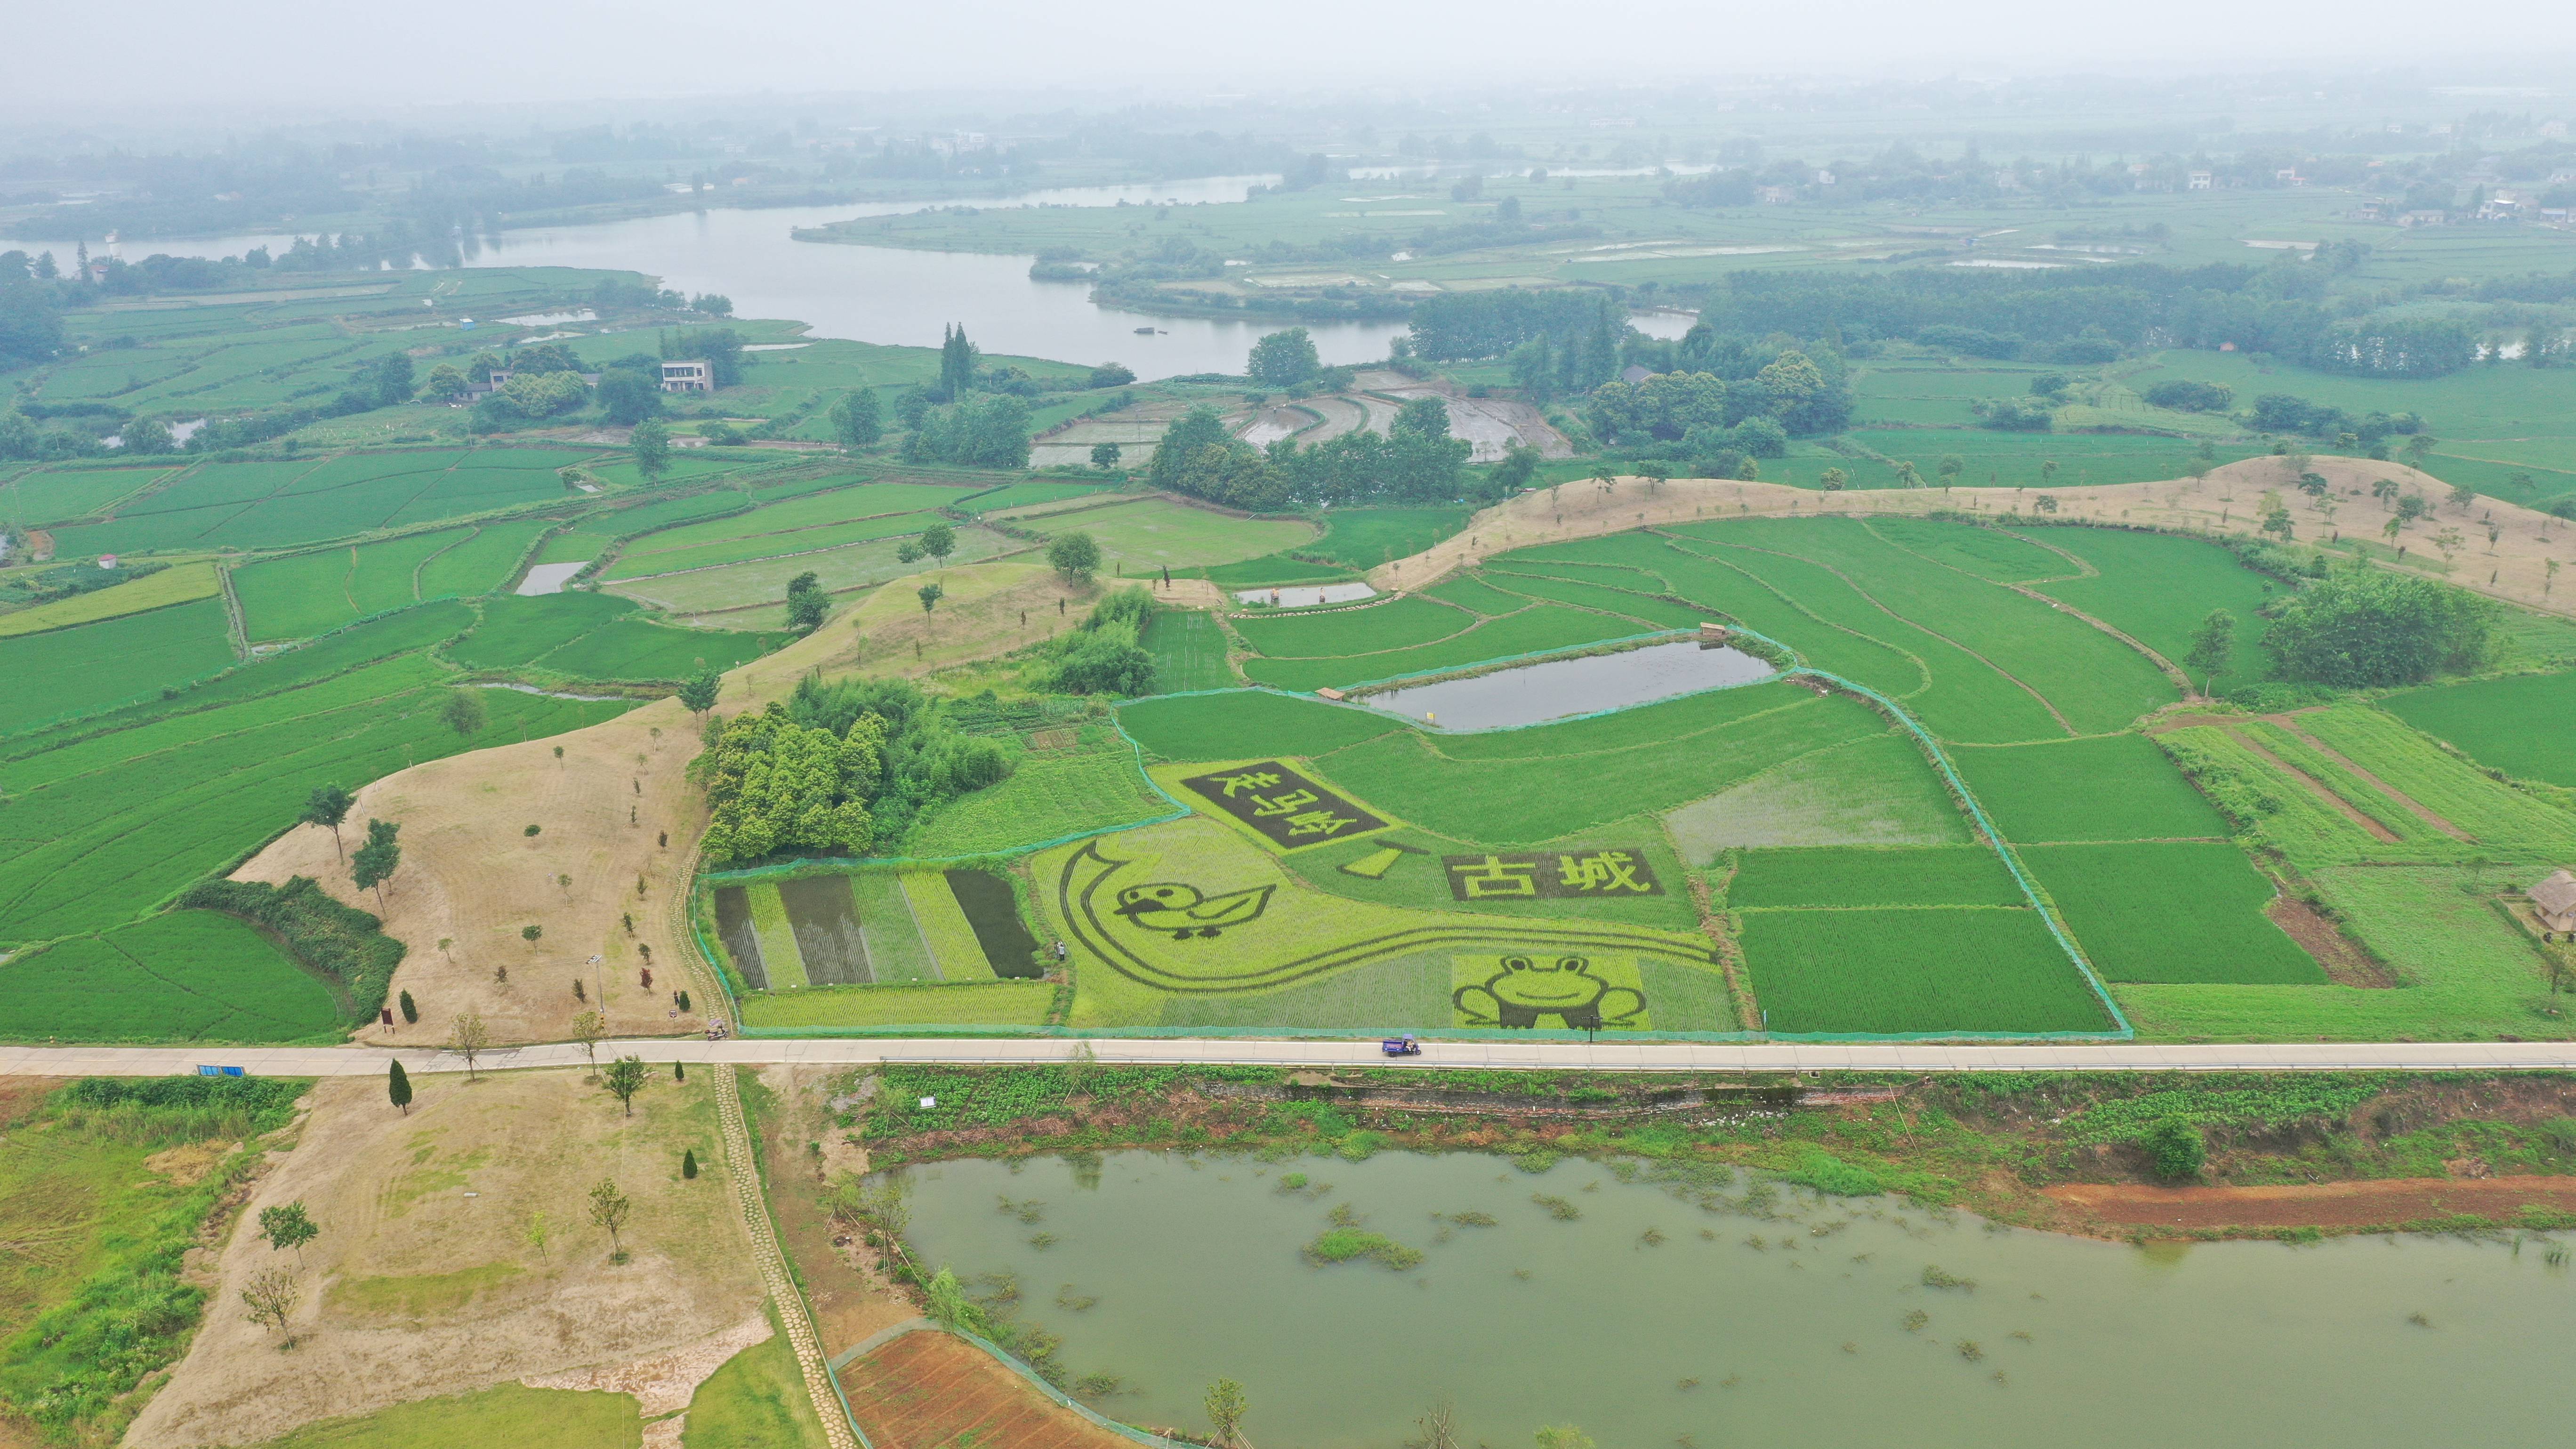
[[991, 910], [1556, 688], [741, 941], [1663, 1304], [826, 921], [1306, 596]]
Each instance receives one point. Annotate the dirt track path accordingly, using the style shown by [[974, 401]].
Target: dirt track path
[[2226, 502], [2325, 1205]]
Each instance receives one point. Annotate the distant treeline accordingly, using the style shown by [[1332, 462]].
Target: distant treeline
[[2073, 316]]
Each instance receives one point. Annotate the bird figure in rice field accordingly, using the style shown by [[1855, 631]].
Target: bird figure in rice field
[[1186, 911]]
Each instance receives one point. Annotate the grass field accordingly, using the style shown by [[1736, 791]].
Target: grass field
[[1897, 971], [1151, 534], [2110, 787], [99, 666], [2518, 725], [2170, 912], [1189, 651], [168, 586], [1864, 877], [185, 976], [504, 1413]]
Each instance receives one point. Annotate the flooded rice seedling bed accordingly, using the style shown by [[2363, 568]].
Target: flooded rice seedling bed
[[825, 918], [741, 939], [1556, 688], [986, 900]]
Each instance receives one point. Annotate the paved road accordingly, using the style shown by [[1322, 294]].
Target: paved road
[[1603, 1056]]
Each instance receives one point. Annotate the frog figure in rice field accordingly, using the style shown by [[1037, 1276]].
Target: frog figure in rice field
[[1529, 987]]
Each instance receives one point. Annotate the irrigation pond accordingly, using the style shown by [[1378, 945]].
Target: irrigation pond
[[1585, 684], [1715, 1312]]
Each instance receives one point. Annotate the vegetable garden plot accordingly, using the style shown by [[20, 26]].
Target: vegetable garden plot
[[99, 666], [184, 976], [1906, 971], [2170, 912], [2109, 787], [2517, 725], [1938, 875]]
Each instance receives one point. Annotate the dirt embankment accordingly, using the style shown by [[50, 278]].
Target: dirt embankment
[[616, 815], [2228, 501], [2384, 1203], [429, 1276]]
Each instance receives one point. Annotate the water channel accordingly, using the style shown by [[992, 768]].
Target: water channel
[[1687, 1316], [889, 294], [1556, 688]]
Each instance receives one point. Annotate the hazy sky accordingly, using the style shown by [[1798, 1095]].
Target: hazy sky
[[289, 55]]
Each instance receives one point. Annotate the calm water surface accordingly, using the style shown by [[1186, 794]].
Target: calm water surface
[[1561, 687], [1791, 1317], [889, 294]]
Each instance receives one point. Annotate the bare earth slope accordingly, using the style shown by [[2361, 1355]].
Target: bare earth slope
[[474, 878], [2228, 501]]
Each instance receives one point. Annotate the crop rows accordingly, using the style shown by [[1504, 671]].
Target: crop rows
[[2518, 724], [1896, 971], [1049, 795], [185, 976], [102, 665], [1858, 876], [2493, 813]]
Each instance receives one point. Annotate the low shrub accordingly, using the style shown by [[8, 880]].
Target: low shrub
[[340, 941]]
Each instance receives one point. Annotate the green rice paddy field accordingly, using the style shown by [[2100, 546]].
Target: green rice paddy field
[[113, 814], [282, 504]]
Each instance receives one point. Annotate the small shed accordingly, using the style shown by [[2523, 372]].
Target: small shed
[[2554, 901]]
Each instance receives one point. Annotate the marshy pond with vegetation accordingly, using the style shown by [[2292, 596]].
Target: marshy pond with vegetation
[[1656, 1305]]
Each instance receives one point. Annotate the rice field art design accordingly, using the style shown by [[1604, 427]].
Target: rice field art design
[[1189, 908]]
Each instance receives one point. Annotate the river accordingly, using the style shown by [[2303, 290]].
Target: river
[[1652, 1319], [891, 294]]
